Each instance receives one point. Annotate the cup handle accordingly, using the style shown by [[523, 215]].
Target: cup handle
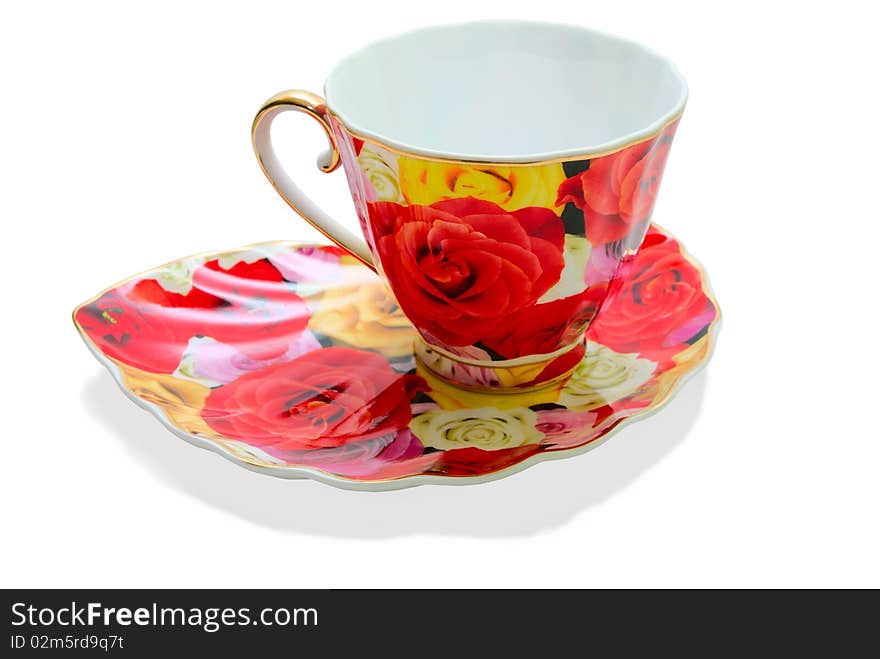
[[314, 106]]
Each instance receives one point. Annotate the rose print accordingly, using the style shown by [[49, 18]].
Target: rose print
[[251, 255], [605, 376], [301, 265], [357, 458], [487, 428], [212, 363], [563, 428], [249, 306], [365, 316], [323, 399], [180, 400], [177, 277], [349, 149], [379, 168], [459, 267], [425, 182], [545, 328], [617, 192], [146, 341], [603, 265], [658, 305], [576, 255]]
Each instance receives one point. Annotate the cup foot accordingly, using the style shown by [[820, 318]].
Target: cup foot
[[512, 375]]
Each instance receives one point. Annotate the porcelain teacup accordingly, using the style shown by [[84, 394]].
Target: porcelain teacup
[[504, 174]]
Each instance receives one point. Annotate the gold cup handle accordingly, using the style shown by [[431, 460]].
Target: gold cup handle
[[314, 106]]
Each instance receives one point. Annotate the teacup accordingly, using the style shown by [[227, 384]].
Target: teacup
[[504, 174]]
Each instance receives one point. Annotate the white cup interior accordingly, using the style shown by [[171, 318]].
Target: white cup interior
[[505, 91]]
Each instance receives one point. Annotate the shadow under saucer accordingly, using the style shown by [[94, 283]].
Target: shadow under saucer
[[542, 497]]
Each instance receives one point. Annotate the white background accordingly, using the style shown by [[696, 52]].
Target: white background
[[124, 143]]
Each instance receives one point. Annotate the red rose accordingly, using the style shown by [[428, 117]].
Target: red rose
[[477, 462], [618, 191], [659, 305], [325, 398], [547, 327], [459, 267], [249, 306], [123, 333]]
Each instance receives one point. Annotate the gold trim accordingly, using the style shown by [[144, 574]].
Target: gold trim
[[527, 360], [314, 106], [513, 374], [498, 390], [498, 163], [304, 101]]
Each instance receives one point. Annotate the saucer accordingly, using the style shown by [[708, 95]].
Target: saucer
[[294, 360]]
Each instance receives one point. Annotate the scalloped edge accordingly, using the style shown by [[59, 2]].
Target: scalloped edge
[[403, 482]]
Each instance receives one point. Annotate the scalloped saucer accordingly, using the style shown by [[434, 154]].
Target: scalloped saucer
[[294, 360]]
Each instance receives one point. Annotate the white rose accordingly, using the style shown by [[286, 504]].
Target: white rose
[[177, 277], [257, 253], [380, 170], [576, 253], [604, 376], [485, 428]]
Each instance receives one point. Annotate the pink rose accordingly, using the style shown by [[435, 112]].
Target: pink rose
[[564, 428], [358, 459]]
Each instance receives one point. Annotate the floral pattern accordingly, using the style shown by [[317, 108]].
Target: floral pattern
[[248, 306], [485, 428], [323, 399], [295, 357], [424, 182], [658, 287], [364, 317], [461, 267], [380, 172], [481, 255], [604, 376], [617, 192]]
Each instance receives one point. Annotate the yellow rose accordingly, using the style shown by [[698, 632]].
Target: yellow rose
[[181, 400], [427, 181], [685, 361], [366, 316], [604, 376], [486, 428], [380, 170]]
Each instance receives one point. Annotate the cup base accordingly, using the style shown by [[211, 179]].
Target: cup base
[[512, 375]]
